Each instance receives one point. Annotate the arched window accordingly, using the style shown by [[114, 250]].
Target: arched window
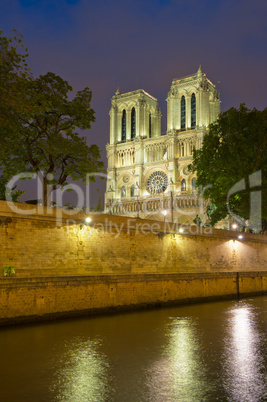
[[132, 190], [123, 192], [193, 111], [183, 113], [150, 131], [123, 126], [133, 125], [194, 184], [183, 185]]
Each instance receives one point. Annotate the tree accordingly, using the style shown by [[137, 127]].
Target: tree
[[13, 72], [38, 132], [232, 163]]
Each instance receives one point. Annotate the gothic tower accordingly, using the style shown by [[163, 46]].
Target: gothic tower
[[147, 169]]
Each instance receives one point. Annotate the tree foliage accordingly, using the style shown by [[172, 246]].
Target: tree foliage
[[13, 73], [234, 148], [39, 123], [9, 194]]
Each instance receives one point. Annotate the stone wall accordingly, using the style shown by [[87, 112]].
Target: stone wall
[[54, 242], [32, 299]]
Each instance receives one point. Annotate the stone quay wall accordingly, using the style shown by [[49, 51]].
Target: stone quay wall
[[65, 267], [32, 299], [53, 242]]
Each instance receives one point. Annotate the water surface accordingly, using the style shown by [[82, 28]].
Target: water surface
[[203, 352]]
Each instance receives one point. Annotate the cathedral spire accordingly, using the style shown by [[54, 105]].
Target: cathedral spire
[[118, 91], [200, 71]]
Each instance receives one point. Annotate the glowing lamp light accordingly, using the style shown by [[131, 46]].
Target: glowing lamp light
[[164, 214], [88, 219], [240, 237], [181, 230], [234, 226]]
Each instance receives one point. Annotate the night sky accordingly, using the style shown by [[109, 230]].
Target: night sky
[[144, 44]]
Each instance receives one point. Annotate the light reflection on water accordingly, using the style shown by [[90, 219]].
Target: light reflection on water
[[204, 352], [83, 373], [243, 359], [179, 374]]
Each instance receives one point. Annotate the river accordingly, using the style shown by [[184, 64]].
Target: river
[[214, 351]]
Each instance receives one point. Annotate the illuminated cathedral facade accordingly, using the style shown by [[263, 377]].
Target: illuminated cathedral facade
[[148, 174]]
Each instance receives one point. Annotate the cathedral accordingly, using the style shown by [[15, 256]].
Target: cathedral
[[148, 174]]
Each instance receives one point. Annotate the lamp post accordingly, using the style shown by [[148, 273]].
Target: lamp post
[[111, 200], [172, 206], [171, 195], [137, 188]]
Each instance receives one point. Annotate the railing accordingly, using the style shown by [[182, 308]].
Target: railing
[[143, 204]]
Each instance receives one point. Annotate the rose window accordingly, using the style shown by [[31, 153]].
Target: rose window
[[157, 183]]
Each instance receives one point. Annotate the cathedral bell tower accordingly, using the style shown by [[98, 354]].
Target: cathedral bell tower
[[148, 170], [193, 103], [134, 117]]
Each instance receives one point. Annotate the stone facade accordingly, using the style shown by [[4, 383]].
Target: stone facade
[[147, 169]]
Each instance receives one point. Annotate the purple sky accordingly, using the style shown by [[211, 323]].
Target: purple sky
[[128, 44]]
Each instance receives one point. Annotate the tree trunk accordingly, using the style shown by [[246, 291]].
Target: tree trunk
[[47, 190]]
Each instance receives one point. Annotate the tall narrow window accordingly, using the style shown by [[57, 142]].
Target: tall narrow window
[[123, 192], [123, 126], [150, 131], [193, 111], [165, 155], [182, 149], [183, 113], [133, 125], [194, 184], [132, 190], [183, 185]]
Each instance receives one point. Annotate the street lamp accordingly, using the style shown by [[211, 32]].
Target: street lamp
[[86, 220], [164, 214]]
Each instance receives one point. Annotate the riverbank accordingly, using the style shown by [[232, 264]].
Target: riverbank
[[43, 298]]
